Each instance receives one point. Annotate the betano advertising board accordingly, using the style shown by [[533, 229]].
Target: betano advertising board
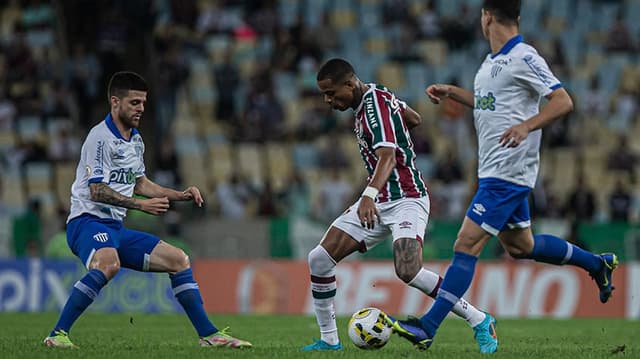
[[507, 289]]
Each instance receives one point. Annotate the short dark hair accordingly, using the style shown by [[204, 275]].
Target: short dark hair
[[506, 11], [335, 70], [123, 81]]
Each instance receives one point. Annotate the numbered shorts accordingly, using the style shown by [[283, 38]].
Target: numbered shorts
[[402, 218], [499, 205], [87, 233]]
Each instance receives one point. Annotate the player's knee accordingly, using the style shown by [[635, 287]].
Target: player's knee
[[516, 251], [405, 272], [320, 263], [180, 261], [108, 267]]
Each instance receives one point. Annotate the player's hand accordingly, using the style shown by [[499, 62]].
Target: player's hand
[[155, 206], [514, 135], [437, 92], [368, 212], [193, 193]]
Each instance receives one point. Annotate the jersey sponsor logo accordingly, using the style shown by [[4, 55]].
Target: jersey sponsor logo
[[540, 73], [98, 158], [487, 102], [479, 209], [370, 109], [101, 237], [122, 176]]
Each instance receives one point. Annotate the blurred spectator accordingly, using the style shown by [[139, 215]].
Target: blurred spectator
[[82, 74], [7, 111], [64, 146], [297, 196], [264, 114], [227, 80], [316, 119], [26, 231], [622, 158], [459, 31], [623, 110], [332, 155], [172, 74], [233, 197], [429, 21], [620, 202], [619, 37], [267, 201], [334, 197], [453, 189], [455, 125], [581, 204], [58, 104], [594, 100], [167, 172], [574, 235]]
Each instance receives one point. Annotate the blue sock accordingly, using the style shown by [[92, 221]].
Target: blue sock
[[551, 249], [454, 285], [82, 295], [187, 292]]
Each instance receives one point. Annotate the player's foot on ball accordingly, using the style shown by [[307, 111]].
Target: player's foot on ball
[[60, 339], [603, 277], [222, 339], [485, 334], [410, 329], [321, 345]]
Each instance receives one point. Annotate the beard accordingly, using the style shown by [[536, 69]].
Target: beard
[[129, 120]]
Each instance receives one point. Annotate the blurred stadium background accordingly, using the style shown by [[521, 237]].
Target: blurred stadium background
[[233, 109]]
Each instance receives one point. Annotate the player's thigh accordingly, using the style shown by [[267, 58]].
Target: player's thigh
[[346, 235], [135, 249], [168, 258], [86, 235], [471, 238]]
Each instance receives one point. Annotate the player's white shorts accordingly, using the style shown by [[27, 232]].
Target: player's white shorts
[[402, 218]]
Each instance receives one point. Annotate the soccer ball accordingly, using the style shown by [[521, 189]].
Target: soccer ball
[[368, 329]]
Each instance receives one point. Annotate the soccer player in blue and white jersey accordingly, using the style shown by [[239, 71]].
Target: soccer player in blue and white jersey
[[506, 98], [395, 202], [111, 169]]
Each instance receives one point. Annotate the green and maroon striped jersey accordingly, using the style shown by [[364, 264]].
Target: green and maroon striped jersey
[[379, 123]]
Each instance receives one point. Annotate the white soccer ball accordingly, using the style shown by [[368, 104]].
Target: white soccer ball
[[368, 329]]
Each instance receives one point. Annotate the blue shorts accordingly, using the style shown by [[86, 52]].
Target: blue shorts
[[499, 205], [87, 233]]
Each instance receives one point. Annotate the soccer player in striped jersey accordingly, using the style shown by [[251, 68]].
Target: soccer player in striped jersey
[[111, 169], [507, 91], [395, 202]]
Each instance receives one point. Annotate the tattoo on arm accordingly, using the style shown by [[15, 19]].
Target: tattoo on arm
[[101, 192]]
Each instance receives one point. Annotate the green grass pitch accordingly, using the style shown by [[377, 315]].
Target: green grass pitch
[[171, 336]]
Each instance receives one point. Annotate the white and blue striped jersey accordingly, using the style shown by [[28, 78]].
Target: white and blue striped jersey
[[106, 157], [508, 88]]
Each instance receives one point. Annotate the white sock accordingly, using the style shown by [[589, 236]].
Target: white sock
[[429, 282], [326, 316], [323, 289]]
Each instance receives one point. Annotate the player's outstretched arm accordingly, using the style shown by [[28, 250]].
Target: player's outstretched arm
[[101, 192], [437, 92], [411, 117], [148, 188]]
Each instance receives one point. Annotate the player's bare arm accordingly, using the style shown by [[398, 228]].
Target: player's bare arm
[[101, 192], [148, 188], [560, 104], [437, 92], [367, 211], [411, 117]]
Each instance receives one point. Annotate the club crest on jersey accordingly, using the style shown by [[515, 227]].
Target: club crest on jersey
[[122, 176], [101, 237], [487, 102], [495, 70]]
